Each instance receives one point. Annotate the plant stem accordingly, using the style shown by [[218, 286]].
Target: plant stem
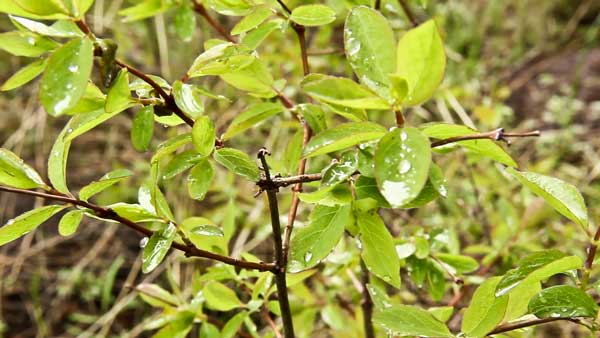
[[169, 100], [108, 214], [367, 302], [408, 13], [377, 5], [399, 118], [526, 323], [589, 261], [279, 271], [200, 9], [494, 135], [301, 32]]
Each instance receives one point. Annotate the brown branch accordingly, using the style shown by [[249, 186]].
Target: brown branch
[[399, 118], [301, 32], [367, 302], [108, 214], [589, 261], [408, 13], [200, 9], [525, 323], [285, 8], [494, 135], [169, 100], [377, 5], [280, 276]]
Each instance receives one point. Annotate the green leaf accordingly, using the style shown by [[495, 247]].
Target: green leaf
[[331, 196], [26, 44], [134, 212], [563, 301], [155, 295], [103, 183], [157, 247], [342, 137], [65, 79], [339, 171], [200, 179], [421, 61], [219, 297], [378, 250], [69, 222], [314, 242], [26, 222], [253, 39], [144, 9], [180, 163], [366, 187], [195, 229], [178, 327], [251, 117], [16, 173], [398, 87], [231, 7], [312, 15], [562, 196], [119, 95], [458, 263], [24, 75], [252, 20], [293, 152], [402, 162], [367, 40], [485, 311], [405, 320], [537, 267], [342, 91], [238, 162], [142, 128], [314, 116], [188, 98], [44, 8], [483, 147], [518, 299], [231, 328], [60, 29], [57, 161], [253, 77], [185, 22], [169, 146]]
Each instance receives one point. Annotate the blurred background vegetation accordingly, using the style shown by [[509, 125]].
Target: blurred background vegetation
[[517, 64]]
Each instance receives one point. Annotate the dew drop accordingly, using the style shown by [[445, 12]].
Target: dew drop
[[10, 221], [73, 68], [31, 40], [144, 242], [404, 166], [70, 130], [307, 256], [403, 136]]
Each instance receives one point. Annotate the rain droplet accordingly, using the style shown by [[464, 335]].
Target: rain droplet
[[10, 221], [31, 40], [404, 166], [70, 130], [144, 242], [73, 68], [307, 256], [403, 136]]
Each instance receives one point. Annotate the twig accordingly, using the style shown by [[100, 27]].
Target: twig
[[169, 100], [494, 135], [526, 323], [589, 261], [286, 181], [301, 32], [399, 118], [367, 302], [279, 271], [200, 9], [408, 13], [455, 279], [108, 214], [377, 5], [285, 8]]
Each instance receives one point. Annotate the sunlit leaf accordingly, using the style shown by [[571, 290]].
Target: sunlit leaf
[[69, 222], [103, 183], [219, 297], [16, 173], [341, 91], [252, 20], [188, 98], [203, 135], [26, 44], [157, 247], [119, 95], [200, 179], [238, 162], [24, 75], [485, 311], [342, 137], [312, 15]]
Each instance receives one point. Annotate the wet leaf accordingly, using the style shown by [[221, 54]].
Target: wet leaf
[[119, 95], [314, 242], [402, 162], [219, 297], [459, 263], [134, 212], [103, 183], [180, 163], [171, 145], [178, 327], [537, 267], [252, 20], [562, 196], [65, 78], [342, 137], [367, 40], [25, 223], [188, 98], [563, 301], [339, 170], [26, 44], [16, 173], [57, 161], [157, 248]]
